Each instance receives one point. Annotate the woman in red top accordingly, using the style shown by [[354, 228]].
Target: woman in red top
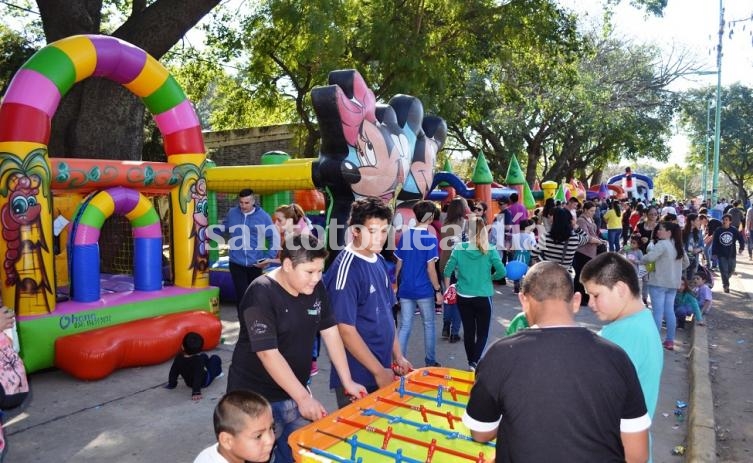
[[636, 216]]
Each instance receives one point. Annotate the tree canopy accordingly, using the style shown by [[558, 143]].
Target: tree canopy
[[99, 118], [736, 132], [514, 77]]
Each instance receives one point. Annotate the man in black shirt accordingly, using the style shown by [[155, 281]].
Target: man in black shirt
[[557, 391]]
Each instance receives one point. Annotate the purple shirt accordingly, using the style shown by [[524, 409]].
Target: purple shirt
[[518, 212]]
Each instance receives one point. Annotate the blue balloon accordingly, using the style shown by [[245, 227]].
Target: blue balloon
[[516, 269]]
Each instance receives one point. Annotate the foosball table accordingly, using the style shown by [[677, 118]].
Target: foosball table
[[416, 419]]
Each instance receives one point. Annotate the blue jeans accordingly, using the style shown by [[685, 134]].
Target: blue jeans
[[710, 261], [727, 268], [663, 306], [451, 318], [613, 236], [214, 369], [749, 244], [426, 306], [287, 419]]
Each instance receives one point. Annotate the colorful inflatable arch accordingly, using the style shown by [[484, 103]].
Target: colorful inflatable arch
[[147, 237], [30, 181]]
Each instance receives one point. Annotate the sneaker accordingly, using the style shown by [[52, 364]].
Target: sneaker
[[472, 366], [669, 345], [446, 332], [314, 368], [433, 364], [726, 289], [417, 312], [454, 338], [438, 310]]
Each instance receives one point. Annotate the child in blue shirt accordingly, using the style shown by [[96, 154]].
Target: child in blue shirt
[[418, 283]]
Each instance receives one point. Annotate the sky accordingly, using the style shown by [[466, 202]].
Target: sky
[[691, 25]]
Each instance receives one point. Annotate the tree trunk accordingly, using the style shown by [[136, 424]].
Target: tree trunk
[[596, 176], [534, 154], [99, 118], [742, 193]]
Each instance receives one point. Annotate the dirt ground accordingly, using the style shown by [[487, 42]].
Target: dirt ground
[[731, 364]]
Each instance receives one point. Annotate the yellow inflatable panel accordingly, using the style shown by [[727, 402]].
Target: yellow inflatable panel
[[81, 51], [150, 79], [262, 179]]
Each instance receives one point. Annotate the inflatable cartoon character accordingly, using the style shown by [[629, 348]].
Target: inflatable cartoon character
[[369, 149], [200, 263], [22, 230]]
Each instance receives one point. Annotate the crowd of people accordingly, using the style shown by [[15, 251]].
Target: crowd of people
[[644, 269]]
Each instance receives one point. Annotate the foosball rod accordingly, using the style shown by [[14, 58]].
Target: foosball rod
[[421, 427], [355, 444], [439, 400], [448, 377], [331, 456], [454, 392], [423, 411], [432, 447]]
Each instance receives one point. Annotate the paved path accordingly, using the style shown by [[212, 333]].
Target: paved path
[[129, 417]]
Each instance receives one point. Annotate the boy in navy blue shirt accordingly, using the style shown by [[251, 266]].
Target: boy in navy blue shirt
[[723, 248], [361, 297]]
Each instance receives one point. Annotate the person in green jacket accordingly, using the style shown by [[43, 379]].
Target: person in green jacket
[[472, 263]]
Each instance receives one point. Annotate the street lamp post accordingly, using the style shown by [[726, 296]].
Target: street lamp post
[[705, 187], [718, 109]]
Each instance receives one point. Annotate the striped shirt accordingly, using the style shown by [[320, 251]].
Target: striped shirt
[[561, 253]]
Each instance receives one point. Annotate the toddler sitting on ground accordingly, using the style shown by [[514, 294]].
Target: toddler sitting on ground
[[197, 369]]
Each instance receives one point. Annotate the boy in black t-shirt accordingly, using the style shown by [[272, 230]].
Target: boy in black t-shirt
[[197, 369], [557, 391], [282, 312]]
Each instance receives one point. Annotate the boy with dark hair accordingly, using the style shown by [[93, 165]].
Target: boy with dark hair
[[596, 412], [612, 282], [723, 249], [244, 429], [197, 369], [361, 295], [283, 310]]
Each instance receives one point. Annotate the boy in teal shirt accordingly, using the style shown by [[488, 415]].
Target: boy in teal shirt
[[612, 283]]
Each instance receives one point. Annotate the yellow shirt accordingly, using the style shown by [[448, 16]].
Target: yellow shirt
[[613, 222]]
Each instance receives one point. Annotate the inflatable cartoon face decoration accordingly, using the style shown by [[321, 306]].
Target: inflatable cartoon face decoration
[[370, 149], [359, 154]]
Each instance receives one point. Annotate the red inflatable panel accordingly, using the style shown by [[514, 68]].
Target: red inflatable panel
[[189, 140], [19, 122], [97, 353]]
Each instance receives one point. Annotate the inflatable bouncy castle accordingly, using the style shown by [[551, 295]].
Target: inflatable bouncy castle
[[70, 314], [53, 211]]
